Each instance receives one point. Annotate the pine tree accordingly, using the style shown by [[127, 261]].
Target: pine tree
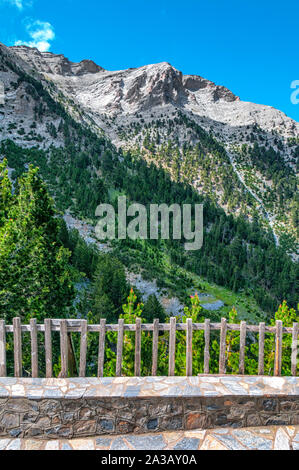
[[110, 288], [35, 278], [153, 309]]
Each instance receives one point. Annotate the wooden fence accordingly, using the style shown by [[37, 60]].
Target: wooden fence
[[81, 326]]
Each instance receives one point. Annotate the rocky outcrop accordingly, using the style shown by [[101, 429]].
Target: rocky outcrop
[[58, 64]]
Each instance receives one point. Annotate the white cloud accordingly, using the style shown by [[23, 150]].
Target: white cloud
[[41, 34], [20, 4]]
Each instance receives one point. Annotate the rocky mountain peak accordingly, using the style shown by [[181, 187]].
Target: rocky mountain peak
[[56, 64], [153, 90]]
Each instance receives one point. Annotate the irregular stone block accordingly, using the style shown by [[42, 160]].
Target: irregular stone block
[[85, 427], [106, 425], [10, 420], [196, 420], [152, 424]]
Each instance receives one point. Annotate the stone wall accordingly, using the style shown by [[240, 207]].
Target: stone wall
[[66, 408]]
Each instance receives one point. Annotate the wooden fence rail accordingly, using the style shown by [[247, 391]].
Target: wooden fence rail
[[67, 326]]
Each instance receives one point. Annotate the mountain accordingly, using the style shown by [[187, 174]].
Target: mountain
[[96, 134], [155, 89], [159, 111]]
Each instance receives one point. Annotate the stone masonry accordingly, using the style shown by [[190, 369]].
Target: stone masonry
[[74, 408], [260, 438]]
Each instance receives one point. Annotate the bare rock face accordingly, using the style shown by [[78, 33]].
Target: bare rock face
[[152, 90], [57, 64], [18, 113]]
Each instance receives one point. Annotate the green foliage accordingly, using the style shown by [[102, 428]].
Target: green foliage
[[5, 192], [35, 279], [195, 313], [153, 309], [288, 316], [109, 288], [35, 275], [131, 312]]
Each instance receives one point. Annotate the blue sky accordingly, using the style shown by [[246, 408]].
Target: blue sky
[[249, 46]]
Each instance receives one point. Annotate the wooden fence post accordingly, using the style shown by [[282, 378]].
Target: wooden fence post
[[278, 348], [242, 347], [155, 347], [207, 346], [222, 346], [172, 337], [48, 347], [137, 370], [2, 349], [17, 338], [261, 348], [83, 348], [294, 357], [101, 354], [119, 352], [34, 348], [189, 347], [63, 349]]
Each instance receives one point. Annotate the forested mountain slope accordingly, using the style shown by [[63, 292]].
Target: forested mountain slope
[[159, 111], [44, 125]]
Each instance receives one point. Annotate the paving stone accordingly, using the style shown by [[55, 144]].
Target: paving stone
[[132, 391], [282, 441], [187, 444], [251, 441], [229, 441], [52, 445], [66, 446], [15, 444], [83, 444], [103, 441], [32, 445], [119, 444], [147, 442], [4, 443], [210, 443], [53, 394], [217, 439]]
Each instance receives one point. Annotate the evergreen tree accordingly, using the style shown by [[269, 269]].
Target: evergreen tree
[[35, 278], [153, 309], [110, 288]]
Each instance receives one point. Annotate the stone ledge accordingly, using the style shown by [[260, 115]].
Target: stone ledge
[[167, 387], [77, 408]]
